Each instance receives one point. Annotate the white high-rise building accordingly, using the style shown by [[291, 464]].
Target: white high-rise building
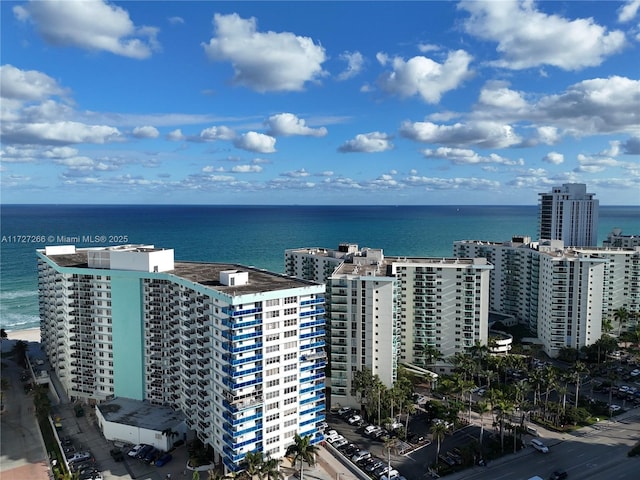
[[562, 293], [617, 239], [570, 214], [382, 311], [240, 351]]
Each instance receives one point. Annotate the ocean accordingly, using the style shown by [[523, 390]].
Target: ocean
[[251, 235]]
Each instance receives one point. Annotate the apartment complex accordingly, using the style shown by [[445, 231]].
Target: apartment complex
[[562, 293], [617, 239], [570, 214], [239, 351], [383, 311]]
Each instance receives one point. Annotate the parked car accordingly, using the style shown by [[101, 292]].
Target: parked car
[[340, 442], [373, 465], [79, 457], [163, 460], [335, 438], [615, 408], [135, 450], [344, 410], [391, 475], [151, 455], [369, 429], [538, 445], [143, 451], [361, 455], [354, 419]]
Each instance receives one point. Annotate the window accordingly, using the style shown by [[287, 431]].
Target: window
[[291, 300]]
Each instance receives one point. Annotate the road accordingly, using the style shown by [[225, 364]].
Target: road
[[22, 452], [590, 453]]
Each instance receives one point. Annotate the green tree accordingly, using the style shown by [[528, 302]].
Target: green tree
[[621, 315], [19, 351], [482, 407], [253, 463], [271, 469], [438, 431], [576, 372], [429, 354], [303, 450], [41, 402]]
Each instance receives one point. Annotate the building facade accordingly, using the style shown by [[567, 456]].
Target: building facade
[[617, 239], [561, 293], [383, 311], [570, 214], [239, 351]]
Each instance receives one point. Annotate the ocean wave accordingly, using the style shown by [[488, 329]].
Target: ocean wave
[[9, 295], [19, 321]]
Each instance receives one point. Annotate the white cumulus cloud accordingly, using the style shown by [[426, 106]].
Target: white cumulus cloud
[[367, 142], [628, 11], [264, 61], [355, 62], [256, 142], [146, 132], [529, 38], [217, 133], [425, 77], [482, 134], [26, 85], [289, 124], [90, 25], [464, 156], [554, 158]]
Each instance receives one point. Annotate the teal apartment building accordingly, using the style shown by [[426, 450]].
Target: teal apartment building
[[238, 350]]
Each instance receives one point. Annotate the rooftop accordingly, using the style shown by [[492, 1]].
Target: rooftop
[[140, 414], [203, 273]]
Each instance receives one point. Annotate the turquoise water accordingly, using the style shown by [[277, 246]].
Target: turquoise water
[[251, 235]]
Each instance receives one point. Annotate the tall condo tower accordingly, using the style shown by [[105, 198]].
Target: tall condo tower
[[239, 351], [570, 214]]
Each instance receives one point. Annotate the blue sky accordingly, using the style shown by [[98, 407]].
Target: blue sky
[[422, 103]]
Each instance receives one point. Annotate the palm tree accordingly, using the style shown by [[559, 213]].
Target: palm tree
[[578, 369], [215, 475], [253, 463], [438, 431], [621, 315], [302, 449], [607, 327], [388, 444], [411, 409], [271, 470], [429, 353], [483, 407]]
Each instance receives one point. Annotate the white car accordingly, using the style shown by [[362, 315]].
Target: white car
[[391, 475], [368, 430], [615, 408], [340, 442], [354, 419], [335, 439], [135, 450], [538, 445]]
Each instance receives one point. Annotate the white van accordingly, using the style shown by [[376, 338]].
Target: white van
[[532, 431], [538, 445]]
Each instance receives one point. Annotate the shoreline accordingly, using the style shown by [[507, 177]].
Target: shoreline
[[26, 335]]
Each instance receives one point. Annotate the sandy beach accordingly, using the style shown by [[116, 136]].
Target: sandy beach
[[28, 335]]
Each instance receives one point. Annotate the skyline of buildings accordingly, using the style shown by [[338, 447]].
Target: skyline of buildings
[[241, 352]]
